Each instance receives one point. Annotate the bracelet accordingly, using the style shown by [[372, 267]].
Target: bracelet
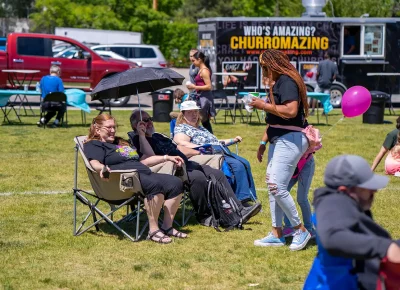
[[263, 143], [165, 158], [232, 141]]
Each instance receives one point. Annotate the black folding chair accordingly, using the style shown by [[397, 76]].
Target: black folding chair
[[222, 103], [55, 97], [6, 107]]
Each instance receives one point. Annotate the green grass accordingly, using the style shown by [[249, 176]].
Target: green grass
[[38, 250]]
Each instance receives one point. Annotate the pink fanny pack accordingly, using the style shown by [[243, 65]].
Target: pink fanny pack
[[300, 165], [313, 136]]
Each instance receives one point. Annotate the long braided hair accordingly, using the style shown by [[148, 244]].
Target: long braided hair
[[275, 60]]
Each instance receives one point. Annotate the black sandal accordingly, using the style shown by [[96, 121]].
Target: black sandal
[[170, 233], [154, 237]]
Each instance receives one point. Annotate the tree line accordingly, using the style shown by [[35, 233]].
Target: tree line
[[173, 26]]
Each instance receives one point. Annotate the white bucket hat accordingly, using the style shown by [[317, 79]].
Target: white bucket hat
[[189, 105]]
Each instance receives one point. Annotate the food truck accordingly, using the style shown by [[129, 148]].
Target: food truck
[[358, 46]]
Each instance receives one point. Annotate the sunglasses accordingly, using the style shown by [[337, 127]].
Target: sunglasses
[[147, 120]]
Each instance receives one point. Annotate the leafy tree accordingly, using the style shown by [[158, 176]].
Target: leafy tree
[[253, 8], [343, 8], [16, 8]]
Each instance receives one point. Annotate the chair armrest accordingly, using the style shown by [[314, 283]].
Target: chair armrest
[[214, 161], [167, 167]]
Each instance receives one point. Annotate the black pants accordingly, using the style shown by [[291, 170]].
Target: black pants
[[52, 109], [198, 188], [207, 125]]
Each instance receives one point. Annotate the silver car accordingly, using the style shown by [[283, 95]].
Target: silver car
[[143, 55]]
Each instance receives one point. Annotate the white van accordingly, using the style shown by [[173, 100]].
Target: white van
[[143, 55]]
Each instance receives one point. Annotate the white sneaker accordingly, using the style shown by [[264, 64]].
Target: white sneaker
[[270, 241], [300, 240]]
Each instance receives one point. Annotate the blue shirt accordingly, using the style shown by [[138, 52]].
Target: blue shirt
[[184, 98], [51, 84], [348, 42]]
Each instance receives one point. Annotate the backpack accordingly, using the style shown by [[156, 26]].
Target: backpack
[[224, 210]]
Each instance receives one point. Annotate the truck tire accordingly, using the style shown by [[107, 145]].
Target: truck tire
[[119, 102], [336, 95]]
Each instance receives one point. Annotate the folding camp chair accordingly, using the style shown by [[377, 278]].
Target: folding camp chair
[[4, 105], [222, 104], [55, 97], [110, 192]]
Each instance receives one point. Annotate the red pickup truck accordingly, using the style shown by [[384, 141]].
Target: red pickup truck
[[82, 70]]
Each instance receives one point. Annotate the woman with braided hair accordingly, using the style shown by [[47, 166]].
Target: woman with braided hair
[[287, 110]]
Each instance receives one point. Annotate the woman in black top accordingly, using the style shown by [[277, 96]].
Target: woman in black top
[[104, 149], [286, 116]]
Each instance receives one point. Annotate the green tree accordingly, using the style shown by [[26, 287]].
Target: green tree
[[16, 8], [343, 8], [253, 8]]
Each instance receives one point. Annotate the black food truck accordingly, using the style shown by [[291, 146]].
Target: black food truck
[[358, 45]]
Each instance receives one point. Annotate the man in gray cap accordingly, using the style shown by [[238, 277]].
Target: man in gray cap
[[345, 227]]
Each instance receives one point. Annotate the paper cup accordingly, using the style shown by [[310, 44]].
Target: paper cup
[[254, 94]]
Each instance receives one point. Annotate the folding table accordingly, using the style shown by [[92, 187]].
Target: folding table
[[18, 83]]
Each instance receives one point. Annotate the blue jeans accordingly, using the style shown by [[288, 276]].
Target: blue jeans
[[304, 178], [283, 156], [243, 186]]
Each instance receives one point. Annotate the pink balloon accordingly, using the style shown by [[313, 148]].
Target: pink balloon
[[356, 101]]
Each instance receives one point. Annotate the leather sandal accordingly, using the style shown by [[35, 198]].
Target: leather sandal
[[155, 237], [170, 233]]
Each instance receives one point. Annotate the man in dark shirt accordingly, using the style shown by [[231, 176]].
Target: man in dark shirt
[[197, 174], [326, 74], [345, 227], [349, 44]]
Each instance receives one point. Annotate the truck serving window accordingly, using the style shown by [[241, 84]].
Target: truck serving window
[[363, 41], [34, 46]]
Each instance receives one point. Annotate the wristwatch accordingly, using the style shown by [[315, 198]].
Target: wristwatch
[[263, 143]]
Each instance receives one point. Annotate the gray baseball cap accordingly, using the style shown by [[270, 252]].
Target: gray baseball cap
[[352, 170]]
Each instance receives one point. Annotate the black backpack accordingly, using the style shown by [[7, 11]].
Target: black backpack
[[224, 210]]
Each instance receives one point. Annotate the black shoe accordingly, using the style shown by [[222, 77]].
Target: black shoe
[[249, 212], [207, 222], [247, 202]]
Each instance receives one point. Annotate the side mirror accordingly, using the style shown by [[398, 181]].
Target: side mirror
[[86, 55]]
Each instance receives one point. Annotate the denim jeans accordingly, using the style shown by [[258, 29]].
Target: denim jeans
[[283, 156], [304, 182], [243, 186]]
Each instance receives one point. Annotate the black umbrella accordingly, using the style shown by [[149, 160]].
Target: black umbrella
[[136, 80]]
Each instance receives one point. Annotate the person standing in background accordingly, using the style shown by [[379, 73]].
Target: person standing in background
[[193, 70], [326, 74], [203, 87]]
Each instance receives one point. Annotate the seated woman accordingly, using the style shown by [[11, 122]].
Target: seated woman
[[198, 174], [388, 144], [392, 162], [104, 149], [188, 133]]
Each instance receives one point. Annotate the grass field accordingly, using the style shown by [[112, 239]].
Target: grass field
[[38, 250]]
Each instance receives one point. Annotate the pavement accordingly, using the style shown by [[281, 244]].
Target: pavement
[[145, 98]]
